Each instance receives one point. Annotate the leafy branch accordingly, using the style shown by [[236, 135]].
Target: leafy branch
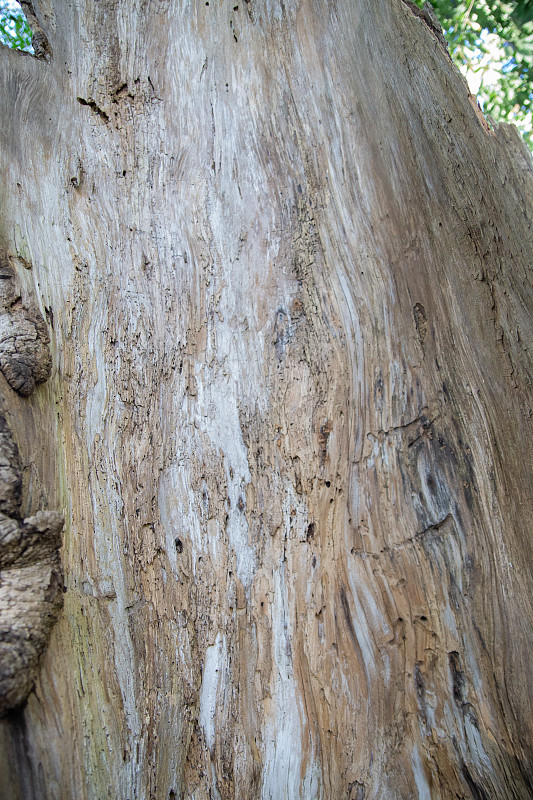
[[14, 29]]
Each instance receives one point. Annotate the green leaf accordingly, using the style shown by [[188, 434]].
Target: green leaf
[[494, 41], [14, 29]]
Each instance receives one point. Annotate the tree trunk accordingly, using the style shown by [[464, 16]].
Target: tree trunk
[[285, 266]]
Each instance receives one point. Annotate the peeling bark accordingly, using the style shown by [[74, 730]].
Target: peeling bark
[[288, 265]]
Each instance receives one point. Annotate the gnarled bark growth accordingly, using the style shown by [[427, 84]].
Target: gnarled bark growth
[[25, 358], [30, 569]]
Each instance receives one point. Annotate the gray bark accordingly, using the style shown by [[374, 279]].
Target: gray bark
[[285, 266]]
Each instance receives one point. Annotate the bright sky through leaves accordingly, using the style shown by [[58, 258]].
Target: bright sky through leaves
[[14, 30], [491, 41]]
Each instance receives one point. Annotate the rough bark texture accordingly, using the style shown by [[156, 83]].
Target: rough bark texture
[[25, 358], [30, 569], [287, 270]]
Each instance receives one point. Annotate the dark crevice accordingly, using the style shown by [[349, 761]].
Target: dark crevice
[[434, 528], [458, 678], [477, 791], [92, 105]]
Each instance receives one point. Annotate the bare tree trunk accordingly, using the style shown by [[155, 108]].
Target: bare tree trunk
[[286, 271]]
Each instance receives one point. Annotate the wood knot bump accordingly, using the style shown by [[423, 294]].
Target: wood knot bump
[[25, 358], [31, 581]]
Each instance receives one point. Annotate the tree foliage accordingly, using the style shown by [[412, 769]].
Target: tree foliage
[[492, 43], [14, 29]]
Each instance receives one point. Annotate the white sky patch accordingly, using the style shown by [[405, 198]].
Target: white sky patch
[[485, 69]]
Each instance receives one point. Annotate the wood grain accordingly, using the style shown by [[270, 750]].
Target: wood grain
[[289, 418]]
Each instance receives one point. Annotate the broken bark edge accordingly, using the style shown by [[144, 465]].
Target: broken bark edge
[[41, 46], [428, 16]]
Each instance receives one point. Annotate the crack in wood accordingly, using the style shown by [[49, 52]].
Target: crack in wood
[[410, 540], [94, 107]]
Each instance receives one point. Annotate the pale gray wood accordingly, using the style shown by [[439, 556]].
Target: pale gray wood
[[288, 265]]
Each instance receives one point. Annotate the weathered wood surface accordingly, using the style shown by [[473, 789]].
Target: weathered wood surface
[[286, 268]]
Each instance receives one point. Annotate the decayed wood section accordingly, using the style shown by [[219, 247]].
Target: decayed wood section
[[286, 269]]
